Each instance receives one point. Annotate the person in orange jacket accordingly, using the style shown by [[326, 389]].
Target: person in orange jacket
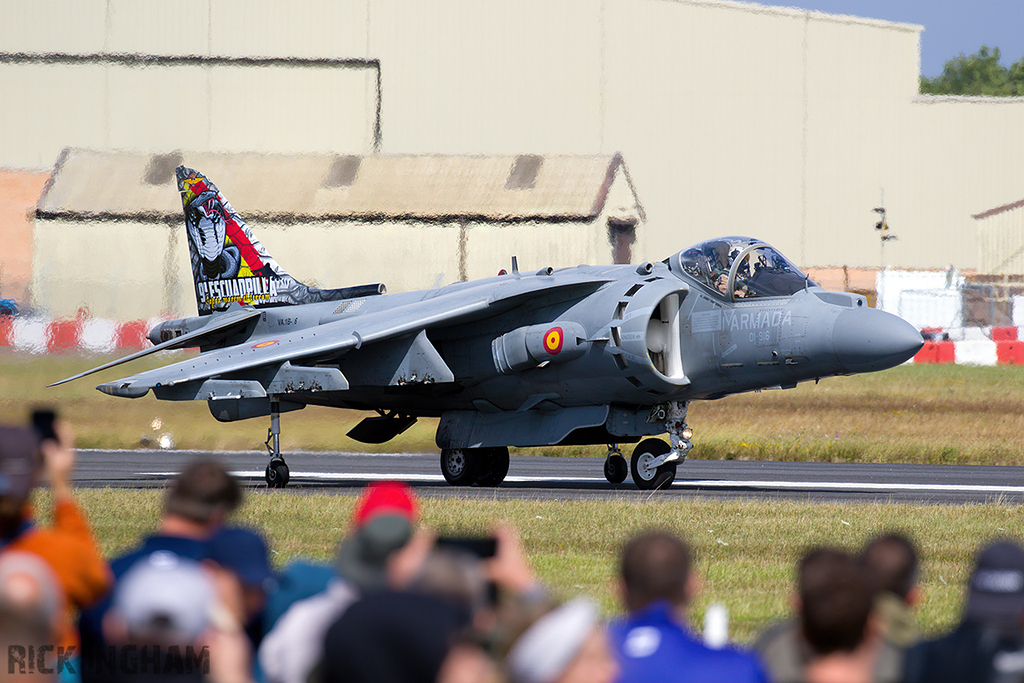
[[68, 546]]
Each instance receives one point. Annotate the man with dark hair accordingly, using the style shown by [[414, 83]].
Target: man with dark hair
[[988, 644], [893, 560], [653, 641], [201, 498], [890, 563], [837, 596], [197, 504]]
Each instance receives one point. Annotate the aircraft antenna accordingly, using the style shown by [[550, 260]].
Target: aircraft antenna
[[515, 265]]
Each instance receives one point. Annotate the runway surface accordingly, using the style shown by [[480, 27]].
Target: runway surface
[[535, 477]]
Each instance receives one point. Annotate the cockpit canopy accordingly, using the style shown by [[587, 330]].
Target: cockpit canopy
[[740, 268]]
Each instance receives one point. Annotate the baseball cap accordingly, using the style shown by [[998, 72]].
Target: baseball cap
[[245, 553], [165, 597], [20, 460], [385, 497], [996, 587], [382, 521]]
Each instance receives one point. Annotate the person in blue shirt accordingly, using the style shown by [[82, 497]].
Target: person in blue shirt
[[653, 641], [197, 505]]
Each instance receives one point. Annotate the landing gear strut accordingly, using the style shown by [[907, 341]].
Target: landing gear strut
[[654, 462], [615, 466], [277, 470]]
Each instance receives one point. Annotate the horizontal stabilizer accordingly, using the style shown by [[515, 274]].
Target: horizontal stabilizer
[[218, 323]]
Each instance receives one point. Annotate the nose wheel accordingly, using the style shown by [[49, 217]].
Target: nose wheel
[[648, 466]]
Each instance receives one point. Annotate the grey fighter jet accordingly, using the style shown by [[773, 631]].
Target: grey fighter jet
[[584, 355]]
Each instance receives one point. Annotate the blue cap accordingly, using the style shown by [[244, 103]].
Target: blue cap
[[245, 553]]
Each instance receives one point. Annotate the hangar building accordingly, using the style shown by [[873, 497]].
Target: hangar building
[[735, 118], [112, 221]]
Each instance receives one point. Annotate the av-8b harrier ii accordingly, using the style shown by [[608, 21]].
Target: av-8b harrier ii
[[585, 355]]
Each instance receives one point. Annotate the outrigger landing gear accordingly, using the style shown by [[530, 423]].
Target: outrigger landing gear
[[277, 470], [615, 466]]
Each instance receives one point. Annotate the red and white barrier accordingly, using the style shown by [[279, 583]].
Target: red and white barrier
[[968, 346], [973, 346], [73, 335]]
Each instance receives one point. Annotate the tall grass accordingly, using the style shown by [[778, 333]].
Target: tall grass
[[744, 550]]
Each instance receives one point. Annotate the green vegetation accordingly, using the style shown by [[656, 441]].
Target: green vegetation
[[745, 551], [977, 74], [914, 413]]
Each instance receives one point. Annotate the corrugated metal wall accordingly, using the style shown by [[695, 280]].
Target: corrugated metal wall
[[1001, 242], [733, 118]]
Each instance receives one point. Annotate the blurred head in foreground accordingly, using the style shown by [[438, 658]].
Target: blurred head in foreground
[[20, 464], [382, 523], [568, 644], [202, 496]]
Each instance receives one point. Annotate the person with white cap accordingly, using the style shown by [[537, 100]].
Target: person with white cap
[[568, 644], [653, 641], [32, 613], [988, 644]]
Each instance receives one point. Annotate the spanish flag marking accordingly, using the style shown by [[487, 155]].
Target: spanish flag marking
[[553, 340], [264, 344]]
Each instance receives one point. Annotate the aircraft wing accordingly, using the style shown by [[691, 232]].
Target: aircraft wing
[[353, 332]]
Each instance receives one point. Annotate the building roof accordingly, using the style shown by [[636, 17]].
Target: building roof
[[295, 187], [998, 210]]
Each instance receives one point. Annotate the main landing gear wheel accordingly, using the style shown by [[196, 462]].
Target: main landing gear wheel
[[645, 476], [459, 466], [277, 474], [615, 469], [615, 466], [493, 466]]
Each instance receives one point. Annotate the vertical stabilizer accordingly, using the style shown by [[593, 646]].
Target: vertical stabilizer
[[228, 262]]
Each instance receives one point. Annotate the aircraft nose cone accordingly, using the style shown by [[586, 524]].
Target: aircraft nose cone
[[866, 340]]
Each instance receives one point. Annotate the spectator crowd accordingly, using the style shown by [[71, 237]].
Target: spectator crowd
[[199, 600]]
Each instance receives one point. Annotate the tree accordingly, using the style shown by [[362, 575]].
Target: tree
[[977, 74]]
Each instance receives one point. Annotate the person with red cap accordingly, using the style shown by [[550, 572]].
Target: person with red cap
[[382, 523]]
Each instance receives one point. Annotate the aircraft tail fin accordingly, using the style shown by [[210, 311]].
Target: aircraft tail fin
[[230, 264]]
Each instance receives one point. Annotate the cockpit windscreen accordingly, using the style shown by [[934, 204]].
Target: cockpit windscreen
[[740, 268]]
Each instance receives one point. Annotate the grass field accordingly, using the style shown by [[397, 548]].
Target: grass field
[[915, 413], [746, 551]]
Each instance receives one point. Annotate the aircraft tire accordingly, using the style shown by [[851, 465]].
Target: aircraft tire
[[493, 466], [647, 478], [459, 465], [615, 469], [277, 474]]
